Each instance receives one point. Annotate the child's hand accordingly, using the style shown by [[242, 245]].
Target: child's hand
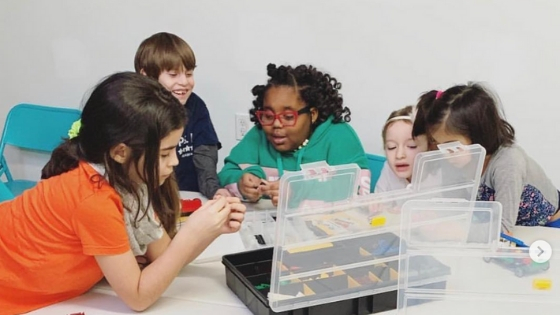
[[271, 189], [221, 192], [248, 186], [236, 216], [211, 218]]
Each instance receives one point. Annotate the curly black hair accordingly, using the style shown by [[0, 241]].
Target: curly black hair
[[316, 89]]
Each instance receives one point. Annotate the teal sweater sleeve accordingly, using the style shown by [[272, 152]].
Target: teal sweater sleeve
[[243, 154]]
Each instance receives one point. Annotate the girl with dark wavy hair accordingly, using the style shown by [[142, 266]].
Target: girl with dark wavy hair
[[471, 114], [58, 239]]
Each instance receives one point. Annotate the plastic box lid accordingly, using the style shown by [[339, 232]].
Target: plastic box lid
[[485, 276], [331, 244]]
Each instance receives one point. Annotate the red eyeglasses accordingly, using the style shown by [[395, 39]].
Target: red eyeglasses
[[288, 118]]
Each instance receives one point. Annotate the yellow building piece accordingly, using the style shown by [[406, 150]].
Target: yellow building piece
[[394, 275], [542, 284], [307, 290], [364, 252], [373, 277], [309, 248], [352, 283], [378, 221]]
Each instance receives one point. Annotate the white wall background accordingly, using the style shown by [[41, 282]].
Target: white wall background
[[385, 53]]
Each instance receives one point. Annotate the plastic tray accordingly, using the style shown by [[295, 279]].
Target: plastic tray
[[486, 276], [248, 275], [328, 242]]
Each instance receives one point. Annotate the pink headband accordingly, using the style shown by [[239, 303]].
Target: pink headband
[[438, 94]]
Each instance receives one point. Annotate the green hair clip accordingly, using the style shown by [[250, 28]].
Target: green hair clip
[[75, 129]]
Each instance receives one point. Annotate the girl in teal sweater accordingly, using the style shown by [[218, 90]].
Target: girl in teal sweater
[[299, 118]]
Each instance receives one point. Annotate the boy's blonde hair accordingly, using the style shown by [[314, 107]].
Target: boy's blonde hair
[[163, 52], [405, 113]]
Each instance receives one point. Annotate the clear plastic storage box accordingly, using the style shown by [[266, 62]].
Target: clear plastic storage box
[[338, 253], [485, 276]]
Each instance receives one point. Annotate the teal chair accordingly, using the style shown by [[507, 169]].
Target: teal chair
[[5, 193], [376, 163], [36, 128]]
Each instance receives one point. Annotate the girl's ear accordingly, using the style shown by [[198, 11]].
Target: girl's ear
[[314, 114], [142, 72], [120, 153]]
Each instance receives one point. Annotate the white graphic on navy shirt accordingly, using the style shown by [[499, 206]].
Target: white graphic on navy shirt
[[185, 147]]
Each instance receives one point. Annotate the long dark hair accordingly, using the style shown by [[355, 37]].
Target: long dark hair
[[135, 110], [316, 89], [467, 110]]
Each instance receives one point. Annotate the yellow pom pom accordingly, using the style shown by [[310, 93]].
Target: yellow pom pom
[[75, 129]]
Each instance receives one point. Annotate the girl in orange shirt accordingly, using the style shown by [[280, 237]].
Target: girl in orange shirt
[[61, 237]]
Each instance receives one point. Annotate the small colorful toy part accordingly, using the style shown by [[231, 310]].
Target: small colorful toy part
[[542, 284], [511, 239], [260, 239], [520, 266], [378, 221], [262, 286], [188, 206], [385, 248]]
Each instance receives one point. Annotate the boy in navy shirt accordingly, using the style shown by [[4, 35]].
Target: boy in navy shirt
[[171, 61]]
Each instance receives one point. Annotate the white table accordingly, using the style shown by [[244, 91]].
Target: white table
[[531, 234], [93, 303], [201, 288], [492, 288]]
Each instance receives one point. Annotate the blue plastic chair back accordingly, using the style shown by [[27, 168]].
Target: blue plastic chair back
[[376, 163], [37, 128], [5, 193]]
